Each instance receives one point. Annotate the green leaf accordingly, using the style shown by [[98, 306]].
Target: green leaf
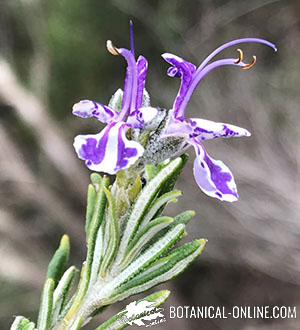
[[61, 293], [29, 326], [95, 226], [182, 218], [162, 270], [150, 172], [169, 184], [122, 202], [143, 237], [158, 204], [99, 310], [144, 200], [162, 164], [91, 199], [96, 179], [98, 211], [113, 234], [121, 179], [17, 324], [59, 261], [173, 257], [117, 321], [98, 255], [76, 324], [79, 295], [45, 312], [144, 260], [21, 323], [66, 309], [135, 189]]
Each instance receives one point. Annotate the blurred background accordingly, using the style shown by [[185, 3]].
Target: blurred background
[[52, 54]]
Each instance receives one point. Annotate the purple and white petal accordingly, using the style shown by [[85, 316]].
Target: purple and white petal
[[207, 129], [212, 176], [108, 151], [180, 67], [142, 117], [88, 109], [131, 82], [184, 70], [175, 127], [142, 66], [126, 91]]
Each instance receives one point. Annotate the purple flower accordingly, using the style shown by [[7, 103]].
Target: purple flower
[[131, 121], [212, 176], [111, 150]]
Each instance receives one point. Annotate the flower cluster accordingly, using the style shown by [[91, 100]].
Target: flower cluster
[[119, 145]]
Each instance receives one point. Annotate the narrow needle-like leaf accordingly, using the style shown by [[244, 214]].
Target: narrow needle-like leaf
[[45, 312]]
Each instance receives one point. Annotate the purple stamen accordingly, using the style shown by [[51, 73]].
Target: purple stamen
[[199, 75], [204, 67], [232, 43], [130, 89]]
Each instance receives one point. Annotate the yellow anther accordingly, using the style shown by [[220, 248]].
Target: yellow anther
[[111, 48], [250, 65], [241, 55]]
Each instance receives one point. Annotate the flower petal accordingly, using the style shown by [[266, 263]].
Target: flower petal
[[180, 67], [142, 117], [108, 151], [183, 69], [175, 127], [142, 66], [131, 82], [88, 109], [212, 176], [207, 129]]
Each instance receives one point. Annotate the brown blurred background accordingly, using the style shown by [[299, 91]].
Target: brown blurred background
[[52, 54]]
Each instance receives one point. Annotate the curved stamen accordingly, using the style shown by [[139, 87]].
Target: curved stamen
[[241, 55], [232, 43], [204, 65], [250, 65], [199, 75], [111, 48]]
